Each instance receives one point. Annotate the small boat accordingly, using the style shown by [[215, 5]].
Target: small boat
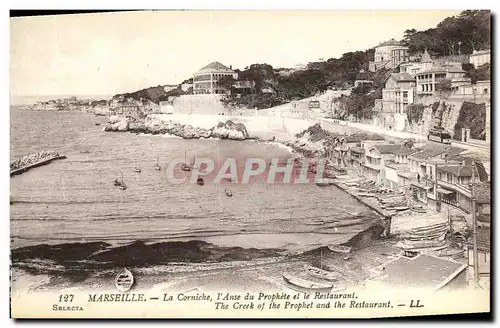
[[185, 166], [365, 194], [157, 166], [303, 285], [124, 280], [138, 170], [200, 181], [401, 208], [97, 124], [418, 210], [324, 184], [228, 192], [320, 273], [120, 184], [339, 248]]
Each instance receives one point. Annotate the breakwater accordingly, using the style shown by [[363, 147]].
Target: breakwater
[[27, 162]]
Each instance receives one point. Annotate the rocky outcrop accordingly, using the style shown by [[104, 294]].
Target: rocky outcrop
[[230, 130], [154, 125], [31, 159]]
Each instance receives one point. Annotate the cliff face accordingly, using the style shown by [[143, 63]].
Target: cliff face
[[446, 113]]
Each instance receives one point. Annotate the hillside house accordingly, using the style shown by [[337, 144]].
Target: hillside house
[[422, 165], [399, 91], [481, 57]]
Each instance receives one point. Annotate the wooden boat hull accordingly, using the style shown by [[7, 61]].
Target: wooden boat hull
[[302, 285], [124, 280], [339, 248], [321, 274], [422, 244]]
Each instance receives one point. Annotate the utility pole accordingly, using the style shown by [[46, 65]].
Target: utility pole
[[474, 231]]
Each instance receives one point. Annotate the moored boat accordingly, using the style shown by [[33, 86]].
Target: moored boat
[[228, 192], [157, 166], [303, 285], [200, 181], [320, 273], [124, 280], [339, 248]]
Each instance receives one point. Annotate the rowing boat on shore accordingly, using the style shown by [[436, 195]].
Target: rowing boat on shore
[[339, 248], [320, 273], [303, 285], [420, 244], [365, 194]]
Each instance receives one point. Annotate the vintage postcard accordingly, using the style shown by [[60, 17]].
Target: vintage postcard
[[250, 164]]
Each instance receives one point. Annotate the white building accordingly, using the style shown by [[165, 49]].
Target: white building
[[388, 54], [479, 58], [206, 80], [168, 88]]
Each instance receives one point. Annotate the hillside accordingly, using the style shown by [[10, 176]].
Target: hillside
[[268, 86], [155, 94]]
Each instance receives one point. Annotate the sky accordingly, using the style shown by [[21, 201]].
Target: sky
[[110, 53]]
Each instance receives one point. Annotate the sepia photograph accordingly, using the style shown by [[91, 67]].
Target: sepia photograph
[[250, 164]]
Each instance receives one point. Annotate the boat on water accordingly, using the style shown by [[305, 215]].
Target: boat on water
[[120, 184], [200, 181], [339, 248], [157, 166], [320, 273], [185, 166], [228, 192], [124, 280], [138, 170], [303, 285]]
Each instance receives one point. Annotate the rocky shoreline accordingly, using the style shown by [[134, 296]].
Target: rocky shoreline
[[153, 125], [26, 162]]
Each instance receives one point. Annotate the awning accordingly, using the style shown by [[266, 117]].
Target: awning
[[444, 191]]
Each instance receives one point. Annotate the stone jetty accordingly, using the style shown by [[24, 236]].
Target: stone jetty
[[24, 163]]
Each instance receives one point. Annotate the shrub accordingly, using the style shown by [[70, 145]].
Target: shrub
[[415, 112]]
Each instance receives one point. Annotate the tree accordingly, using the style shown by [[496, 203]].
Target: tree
[[480, 73], [444, 85]]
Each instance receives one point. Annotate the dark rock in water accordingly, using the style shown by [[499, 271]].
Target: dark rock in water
[[58, 253], [365, 238]]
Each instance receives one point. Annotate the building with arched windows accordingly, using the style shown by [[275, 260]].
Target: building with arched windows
[[388, 54], [207, 79]]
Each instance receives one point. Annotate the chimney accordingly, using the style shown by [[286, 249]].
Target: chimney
[[230, 66]]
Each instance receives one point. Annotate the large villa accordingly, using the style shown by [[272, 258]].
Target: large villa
[[206, 80]]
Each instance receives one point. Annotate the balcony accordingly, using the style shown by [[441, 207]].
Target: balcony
[[464, 190], [371, 166]]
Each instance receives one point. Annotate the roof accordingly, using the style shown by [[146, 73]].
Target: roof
[[422, 271], [480, 52], [442, 69], [471, 161], [393, 149], [356, 149], [401, 77], [214, 67], [456, 169], [391, 42], [431, 150], [426, 58]]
